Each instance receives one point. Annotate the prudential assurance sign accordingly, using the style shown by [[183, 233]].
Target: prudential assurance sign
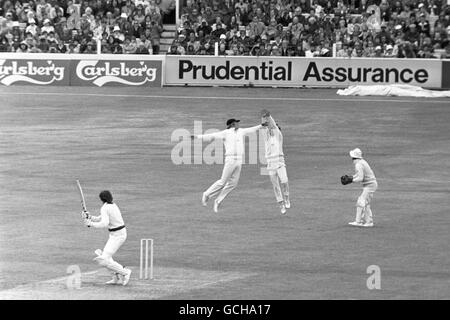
[[117, 73], [34, 72], [296, 71]]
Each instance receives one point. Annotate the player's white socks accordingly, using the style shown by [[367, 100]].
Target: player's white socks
[[368, 215], [359, 211], [276, 187], [285, 187]]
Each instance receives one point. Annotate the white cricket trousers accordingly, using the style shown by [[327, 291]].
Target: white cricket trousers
[[278, 176], [364, 201], [228, 181], [115, 241]]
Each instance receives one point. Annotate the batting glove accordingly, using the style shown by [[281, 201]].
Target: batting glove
[[88, 222]]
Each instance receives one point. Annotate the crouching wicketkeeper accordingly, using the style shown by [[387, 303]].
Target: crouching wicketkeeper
[[365, 175]]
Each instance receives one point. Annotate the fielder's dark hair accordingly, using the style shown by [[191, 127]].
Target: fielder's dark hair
[[106, 196]]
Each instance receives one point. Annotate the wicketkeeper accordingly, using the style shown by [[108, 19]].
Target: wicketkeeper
[[365, 175], [110, 217]]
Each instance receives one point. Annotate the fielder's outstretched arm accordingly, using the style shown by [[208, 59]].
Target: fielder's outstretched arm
[[210, 136], [246, 131]]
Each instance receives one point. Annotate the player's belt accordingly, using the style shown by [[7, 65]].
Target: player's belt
[[116, 229]]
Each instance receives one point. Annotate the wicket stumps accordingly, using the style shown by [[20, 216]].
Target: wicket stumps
[[143, 266]]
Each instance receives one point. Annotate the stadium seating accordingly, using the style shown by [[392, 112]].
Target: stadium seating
[[310, 28]]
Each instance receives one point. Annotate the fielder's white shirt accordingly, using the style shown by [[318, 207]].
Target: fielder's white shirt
[[363, 172], [273, 139], [110, 217], [233, 139]]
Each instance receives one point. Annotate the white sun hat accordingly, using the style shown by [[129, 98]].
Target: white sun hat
[[356, 153]]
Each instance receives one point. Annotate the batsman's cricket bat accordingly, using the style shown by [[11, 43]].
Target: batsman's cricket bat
[[83, 202]]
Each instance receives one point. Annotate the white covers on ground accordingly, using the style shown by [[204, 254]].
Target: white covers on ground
[[400, 90]]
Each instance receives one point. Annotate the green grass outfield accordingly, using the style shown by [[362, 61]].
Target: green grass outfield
[[120, 139]]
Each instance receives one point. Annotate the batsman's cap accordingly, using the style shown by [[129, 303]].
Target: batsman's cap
[[231, 121], [356, 153]]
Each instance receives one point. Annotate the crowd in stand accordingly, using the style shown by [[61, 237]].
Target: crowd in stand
[[71, 26], [315, 28], [311, 28]]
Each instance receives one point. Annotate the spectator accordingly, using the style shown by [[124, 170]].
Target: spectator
[[142, 49], [181, 49], [116, 48], [4, 45], [256, 26], [284, 48], [275, 51], [423, 26], [128, 46], [411, 35], [23, 48], [389, 53], [316, 24], [218, 31], [173, 50], [61, 48], [32, 27], [117, 34], [378, 52], [155, 31], [204, 27], [146, 42], [255, 51], [90, 48]]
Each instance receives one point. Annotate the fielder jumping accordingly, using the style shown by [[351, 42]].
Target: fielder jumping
[[233, 139], [365, 175], [273, 139], [110, 217]]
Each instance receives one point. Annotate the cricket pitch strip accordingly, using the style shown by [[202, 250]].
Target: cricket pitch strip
[[167, 282]]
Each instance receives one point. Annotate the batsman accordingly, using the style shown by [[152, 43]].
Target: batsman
[[110, 217], [273, 140], [365, 175]]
